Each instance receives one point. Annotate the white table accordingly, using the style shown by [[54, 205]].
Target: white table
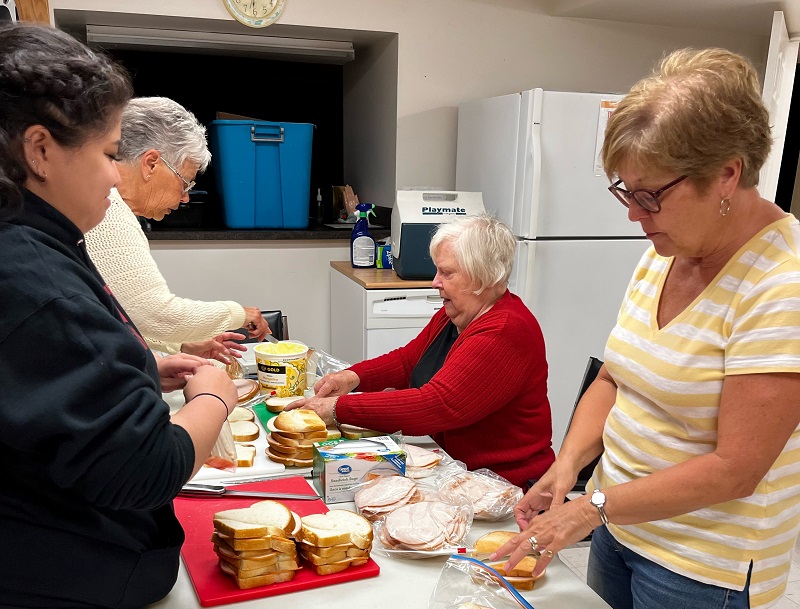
[[402, 583]]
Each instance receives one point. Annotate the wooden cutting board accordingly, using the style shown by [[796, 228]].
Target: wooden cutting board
[[212, 586]]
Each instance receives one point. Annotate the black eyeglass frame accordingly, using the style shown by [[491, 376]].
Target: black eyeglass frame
[[654, 206]]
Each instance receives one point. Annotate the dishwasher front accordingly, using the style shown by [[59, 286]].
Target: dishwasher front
[[366, 323]]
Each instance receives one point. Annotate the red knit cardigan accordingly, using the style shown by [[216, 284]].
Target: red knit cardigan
[[487, 406]]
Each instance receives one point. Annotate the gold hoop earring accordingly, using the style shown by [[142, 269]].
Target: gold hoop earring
[[724, 207]]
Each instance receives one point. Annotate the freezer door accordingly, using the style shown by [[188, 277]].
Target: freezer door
[[486, 156], [573, 198], [574, 288]]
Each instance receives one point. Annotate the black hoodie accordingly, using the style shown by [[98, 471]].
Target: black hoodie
[[89, 457]]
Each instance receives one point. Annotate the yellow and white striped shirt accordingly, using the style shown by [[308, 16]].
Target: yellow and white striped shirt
[[747, 321]]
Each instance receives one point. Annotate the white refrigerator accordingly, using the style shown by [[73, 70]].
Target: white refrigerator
[[535, 157]]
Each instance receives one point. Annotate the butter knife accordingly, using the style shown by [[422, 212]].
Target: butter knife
[[194, 489]]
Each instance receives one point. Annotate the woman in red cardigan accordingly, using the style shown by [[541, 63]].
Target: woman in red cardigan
[[476, 376]]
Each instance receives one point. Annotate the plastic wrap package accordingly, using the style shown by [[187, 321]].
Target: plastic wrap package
[[223, 454], [466, 583], [422, 529], [321, 363], [493, 497]]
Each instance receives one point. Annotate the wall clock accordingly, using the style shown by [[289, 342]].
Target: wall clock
[[255, 13]]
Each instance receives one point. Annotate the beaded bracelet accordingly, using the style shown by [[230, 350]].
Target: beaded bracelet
[[214, 395], [333, 412]]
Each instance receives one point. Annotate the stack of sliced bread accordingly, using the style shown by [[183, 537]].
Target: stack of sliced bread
[[255, 545], [521, 576], [385, 494], [244, 429], [334, 541], [243, 425], [292, 441]]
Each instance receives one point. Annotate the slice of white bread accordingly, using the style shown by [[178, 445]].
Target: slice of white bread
[[288, 461], [240, 413], [523, 568], [249, 566], [245, 583], [245, 455], [276, 404], [352, 432], [333, 433], [305, 442], [254, 544], [521, 583], [491, 541], [336, 527], [262, 519], [244, 431], [293, 452], [336, 567], [299, 421]]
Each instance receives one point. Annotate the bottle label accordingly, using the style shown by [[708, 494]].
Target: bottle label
[[363, 251]]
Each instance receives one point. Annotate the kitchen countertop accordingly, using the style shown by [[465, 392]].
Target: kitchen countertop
[[377, 279], [313, 234]]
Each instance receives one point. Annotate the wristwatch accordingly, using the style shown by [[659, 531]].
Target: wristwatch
[[598, 500]]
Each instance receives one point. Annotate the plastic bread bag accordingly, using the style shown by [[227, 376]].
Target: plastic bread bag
[[223, 453], [322, 363], [424, 529], [466, 583], [493, 497]]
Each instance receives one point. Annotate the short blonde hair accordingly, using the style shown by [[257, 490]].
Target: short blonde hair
[[698, 110], [483, 246]]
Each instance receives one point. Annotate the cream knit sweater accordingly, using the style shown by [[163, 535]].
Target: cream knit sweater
[[120, 251]]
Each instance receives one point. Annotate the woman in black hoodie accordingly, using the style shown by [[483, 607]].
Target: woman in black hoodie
[[91, 457]]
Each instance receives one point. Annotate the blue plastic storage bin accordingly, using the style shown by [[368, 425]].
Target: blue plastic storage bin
[[263, 172]]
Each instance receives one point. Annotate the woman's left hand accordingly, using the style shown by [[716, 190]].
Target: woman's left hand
[[553, 530], [220, 348], [322, 406], [175, 370]]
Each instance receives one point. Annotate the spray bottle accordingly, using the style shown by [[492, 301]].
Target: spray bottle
[[362, 245]]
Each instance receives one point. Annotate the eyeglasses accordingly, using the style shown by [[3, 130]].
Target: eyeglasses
[[187, 184], [647, 199]]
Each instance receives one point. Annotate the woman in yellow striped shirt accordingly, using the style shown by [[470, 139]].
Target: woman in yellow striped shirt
[[697, 407]]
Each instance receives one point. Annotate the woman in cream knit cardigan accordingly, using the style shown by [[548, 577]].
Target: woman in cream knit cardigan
[[163, 147]]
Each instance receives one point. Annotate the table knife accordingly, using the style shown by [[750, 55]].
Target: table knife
[[218, 490]]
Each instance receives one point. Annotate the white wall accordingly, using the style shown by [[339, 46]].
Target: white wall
[[285, 275], [454, 50], [449, 51]]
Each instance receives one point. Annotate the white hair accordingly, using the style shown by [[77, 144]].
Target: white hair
[[162, 124], [483, 247]]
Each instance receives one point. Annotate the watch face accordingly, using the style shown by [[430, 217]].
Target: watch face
[[255, 13]]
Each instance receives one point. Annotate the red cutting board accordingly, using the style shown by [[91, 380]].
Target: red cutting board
[[212, 586]]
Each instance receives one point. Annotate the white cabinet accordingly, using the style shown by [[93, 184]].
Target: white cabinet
[[368, 322]]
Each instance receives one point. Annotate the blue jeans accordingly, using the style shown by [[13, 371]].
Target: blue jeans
[[626, 580]]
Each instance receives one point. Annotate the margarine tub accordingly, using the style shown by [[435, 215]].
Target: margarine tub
[[282, 368]]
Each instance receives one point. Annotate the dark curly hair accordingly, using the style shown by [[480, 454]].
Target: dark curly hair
[[48, 78]]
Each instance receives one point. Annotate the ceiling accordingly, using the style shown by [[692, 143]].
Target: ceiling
[[745, 16]]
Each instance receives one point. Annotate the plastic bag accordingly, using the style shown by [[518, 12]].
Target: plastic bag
[[493, 497], [424, 529], [223, 453], [464, 580], [321, 363]]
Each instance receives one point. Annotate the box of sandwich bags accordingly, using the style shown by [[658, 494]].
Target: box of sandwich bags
[[340, 465]]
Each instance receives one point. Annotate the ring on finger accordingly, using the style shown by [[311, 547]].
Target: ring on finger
[[548, 553], [533, 542]]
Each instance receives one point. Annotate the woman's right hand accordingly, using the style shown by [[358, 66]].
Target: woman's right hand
[[255, 323], [336, 383], [210, 379], [548, 492]]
